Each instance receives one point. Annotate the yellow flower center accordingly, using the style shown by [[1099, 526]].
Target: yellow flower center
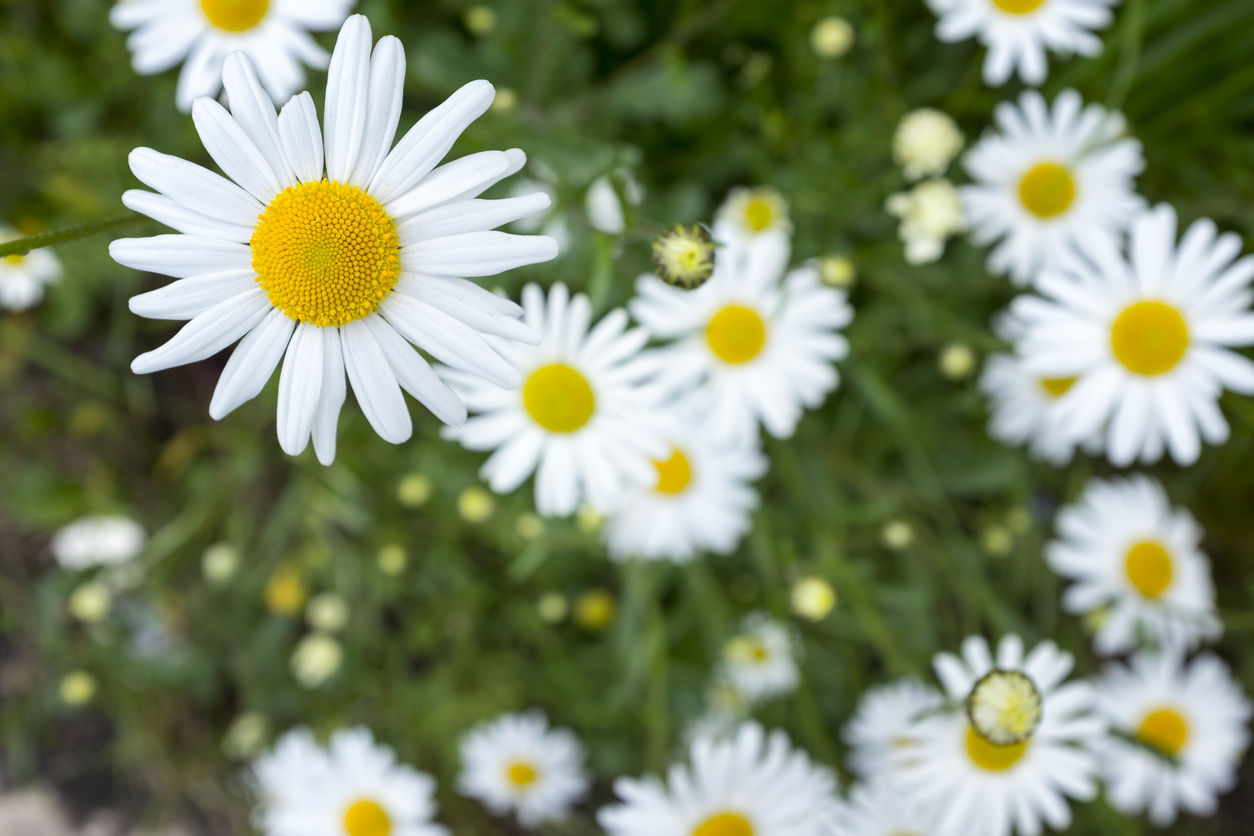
[[745, 650], [724, 824], [15, 259], [1149, 338], [558, 398], [1149, 568], [522, 774], [1047, 190], [366, 818], [325, 253], [1018, 7], [1056, 387], [235, 15], [736, 334], [674, 474], [759, 215], [991, 757], [1165, 730]]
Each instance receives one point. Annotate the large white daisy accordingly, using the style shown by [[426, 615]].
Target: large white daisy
[[753, 784], [23, 277], [584, 419], [1050, 182], [881, 809], [1137, 559], [1147, 338], [333, 256], [1181, 731], [881, 726], [761, 661]]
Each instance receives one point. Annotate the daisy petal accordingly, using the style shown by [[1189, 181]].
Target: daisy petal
[[374, 384], [300, 387], [251, 364], [208, 333]]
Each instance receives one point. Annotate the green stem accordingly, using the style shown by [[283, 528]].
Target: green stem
[[47, 239]]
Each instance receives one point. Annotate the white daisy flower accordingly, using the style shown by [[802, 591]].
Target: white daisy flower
[[98, 541], [333, 261], [1180, 734], [754, 784], [1017, 32], [583, 420], [1137, 560], [880, 809], [1051, 182], [930, 213], [1148, 338], [749, 215], [881, 726], [761, 661], [1044, 725], [518, 764], [759, 344], [202, 33], [23, 277], [926, 142], [353, 787]]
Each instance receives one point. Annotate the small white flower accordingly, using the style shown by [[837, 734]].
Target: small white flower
[[812, 597], [750, 214], [518, 764], [90, 603], [926, 142], [98, 541], [327, 612], [23, 277], [882, 724], [761, 662], [316, 659], [930, 214], [880, 809], [832, 37]]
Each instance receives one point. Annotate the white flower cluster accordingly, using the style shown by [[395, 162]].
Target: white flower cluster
[[932, 212]]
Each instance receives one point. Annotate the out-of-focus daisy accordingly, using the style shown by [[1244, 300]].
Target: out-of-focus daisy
[[1137, 560], [607, 200], [1180, 733], [761, 660], [584, 419], [1017, 32], [752, 784], [202, 33], [882, 724], [748, 215], [880, 809], [684, 256], [930, 213], [1051, 182], [1015, 752], [105, 540], [518, 764], [1020, 402], [760, 345], [926, 142], [23, 277], [1148, 339], [333, 256], [353, 787]]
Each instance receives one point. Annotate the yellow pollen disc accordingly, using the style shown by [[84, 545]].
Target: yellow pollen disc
[[674, 474], [1149, 568], [1165, 730], [1047, 190], [1056, 387], [235, 15], [736, 334], [325, 253], [366, 818], [15, 259], [724, 824], [759, 215], [521, 774], [1018, 7], [991, 757], [1149, 338], [558, 398]]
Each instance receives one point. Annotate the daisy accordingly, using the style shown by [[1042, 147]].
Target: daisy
[[1017, 32], [758, 344], [518, 764], [880, 809], [353, 787], [749, 215], [1180, 734], [930, 214], [753, 784], [882, 724], [1015, 751], [332, 260], [926, 142], [1147, 338], [23, 277], [583, 420], [98, 541], [1137, 560], [202, 33], [1051, 182], [760, 662]]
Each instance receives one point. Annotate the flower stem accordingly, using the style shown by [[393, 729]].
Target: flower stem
[[60, 236]]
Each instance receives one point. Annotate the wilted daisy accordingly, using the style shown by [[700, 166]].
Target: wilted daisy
[[517, 764], [1050, 182], [1136, 560], [752, 784], [880, 809], [1017, 32], [23, 277], [202, 33], [930, 214], [353, 787], [926, 142], [760, 662], [881, 727], [684, 256], [748, 214], [1181, 731], [333, 256], [104, 540], [1148, 339]]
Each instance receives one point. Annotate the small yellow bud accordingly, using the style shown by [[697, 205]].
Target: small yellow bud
[[529, 527], [957, 361], [594, 609], [414, 490], [246, 737], [897, 535], [393, 559], [813, 598], [997, 540], [552, 607], [684, 256], [327, 612], [78, 688], [476, 505], [506, 99], [837, 271], [831, 37], [219, 563], [479, 20], [589, 520], [90, 603], [285, 591], [317, 658]]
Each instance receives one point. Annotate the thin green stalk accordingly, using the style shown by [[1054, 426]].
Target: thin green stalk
[[22, 246]]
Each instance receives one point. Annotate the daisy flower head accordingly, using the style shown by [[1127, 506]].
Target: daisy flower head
[[749, 215], [760, 662], [1148, 338], [882, 725], [24, 277], [517, 764], [926, 142], [1018, 32], [104, 540], [274, 34], [1137, 560], [585, 418], [352, 787], [1050, 182], [333, 255], [930, 213], [751, 784], [1179, 733], [880, 809]]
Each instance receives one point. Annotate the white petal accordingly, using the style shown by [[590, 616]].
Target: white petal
[[415, 375], [449, 181], [300, 386], [208, 333], [387, 84], [254, 112], [478, 253], [181, 256], [236, 154], [188, 221], [195, 187], [251, 364], [302, 138], [374, 384], [189, 298], [435, 291], [448, 340], [348, 98], [331, 398], [470, 216]]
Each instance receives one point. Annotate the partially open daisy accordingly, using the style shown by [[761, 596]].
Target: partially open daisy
[[353, 787], [748, 215], [760, 662], [1147, 339], [517, 764], [881, 809], [202, 33], [1051, 182], [583, 420], [1135, 560], [880, 729], [334, 256], [1179, 733], [753, 784], [1018, 32], [23, 277], [1013, 752], [760, 346]]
